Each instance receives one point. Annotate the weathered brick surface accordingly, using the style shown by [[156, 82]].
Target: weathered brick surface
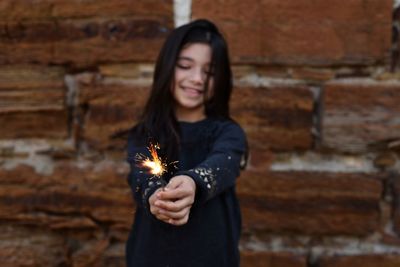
[[275, 30], [26, 77], [368, 260], [310, 203], [47, 123], [83, 33], [77, 216], [312, 74], [259, 159], [15, 10], [360, 115], [16, 247], [111, 109], [31, 246], [278, 118], [32, 102], [101, 252], [73, 196], [139, 73], [271, 259]]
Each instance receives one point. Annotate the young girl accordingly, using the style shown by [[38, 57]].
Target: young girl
[[190, 215]]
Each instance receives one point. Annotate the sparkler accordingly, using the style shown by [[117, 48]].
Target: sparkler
[[154, 164]]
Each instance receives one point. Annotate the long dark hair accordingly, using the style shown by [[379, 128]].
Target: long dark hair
[[158, 120]]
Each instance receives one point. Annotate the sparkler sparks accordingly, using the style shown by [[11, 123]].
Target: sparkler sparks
[[154, 164]]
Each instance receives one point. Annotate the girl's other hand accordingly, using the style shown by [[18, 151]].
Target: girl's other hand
[[158, 212]]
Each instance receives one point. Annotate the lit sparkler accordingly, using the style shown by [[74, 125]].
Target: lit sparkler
[[154, 164]]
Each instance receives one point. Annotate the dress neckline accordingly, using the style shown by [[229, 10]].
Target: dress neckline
[[193, 122]]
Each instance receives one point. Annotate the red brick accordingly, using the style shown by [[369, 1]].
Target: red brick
[[111, 109], [15, 100], [80, 196], [89, 255], [26, 87], [259, 159], [278, 118], [28, 77], [79, 215], [142, 73], [275, 30], [28, 123], [367, 260], [360, 115], [32, 102], [310, 203], [23, 246], [50, 9], [83, 33], [312, 74], [32, 246], [83, 43], [271, 259]]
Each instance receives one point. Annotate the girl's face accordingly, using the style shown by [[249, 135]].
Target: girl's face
[[191, 73]]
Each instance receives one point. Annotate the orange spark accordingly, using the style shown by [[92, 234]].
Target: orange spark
[[155, 165]]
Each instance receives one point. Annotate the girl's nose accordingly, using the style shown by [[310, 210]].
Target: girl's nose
[[197, 76]]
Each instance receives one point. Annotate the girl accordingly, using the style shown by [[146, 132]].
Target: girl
[[190, 216]]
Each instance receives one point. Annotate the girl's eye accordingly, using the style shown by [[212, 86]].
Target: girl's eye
[[181, 66]]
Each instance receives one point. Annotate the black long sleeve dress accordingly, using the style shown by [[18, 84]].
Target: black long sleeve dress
[[211, 153]]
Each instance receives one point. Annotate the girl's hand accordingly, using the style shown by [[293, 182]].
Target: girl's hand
[[175, 201], [155, 210]]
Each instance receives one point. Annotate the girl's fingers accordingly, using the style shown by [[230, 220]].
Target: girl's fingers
[[171, 217], [175, 215], [182, 203], [178, 187], [156, 210], [177, 218], [154, 196], [174, 206], [179, 222], [172, 194], [174, 183], [163, 218], [160, 214]]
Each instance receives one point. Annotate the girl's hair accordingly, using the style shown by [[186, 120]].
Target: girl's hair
[[158, 120]]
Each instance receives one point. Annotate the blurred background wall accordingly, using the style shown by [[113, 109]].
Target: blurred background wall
[[317, 90]]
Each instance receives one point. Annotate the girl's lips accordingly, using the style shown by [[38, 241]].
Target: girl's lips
[[192, 91]]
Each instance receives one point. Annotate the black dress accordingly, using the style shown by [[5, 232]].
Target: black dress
[[211, 153]]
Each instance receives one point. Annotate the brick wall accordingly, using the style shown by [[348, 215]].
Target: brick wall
[[317, 90]]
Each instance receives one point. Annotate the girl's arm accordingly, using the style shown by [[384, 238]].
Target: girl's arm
[[222, 166]]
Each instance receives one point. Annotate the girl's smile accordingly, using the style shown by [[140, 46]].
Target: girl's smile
[[192, 92]]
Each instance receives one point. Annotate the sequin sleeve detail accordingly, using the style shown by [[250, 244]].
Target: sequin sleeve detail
[[222, 165]]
